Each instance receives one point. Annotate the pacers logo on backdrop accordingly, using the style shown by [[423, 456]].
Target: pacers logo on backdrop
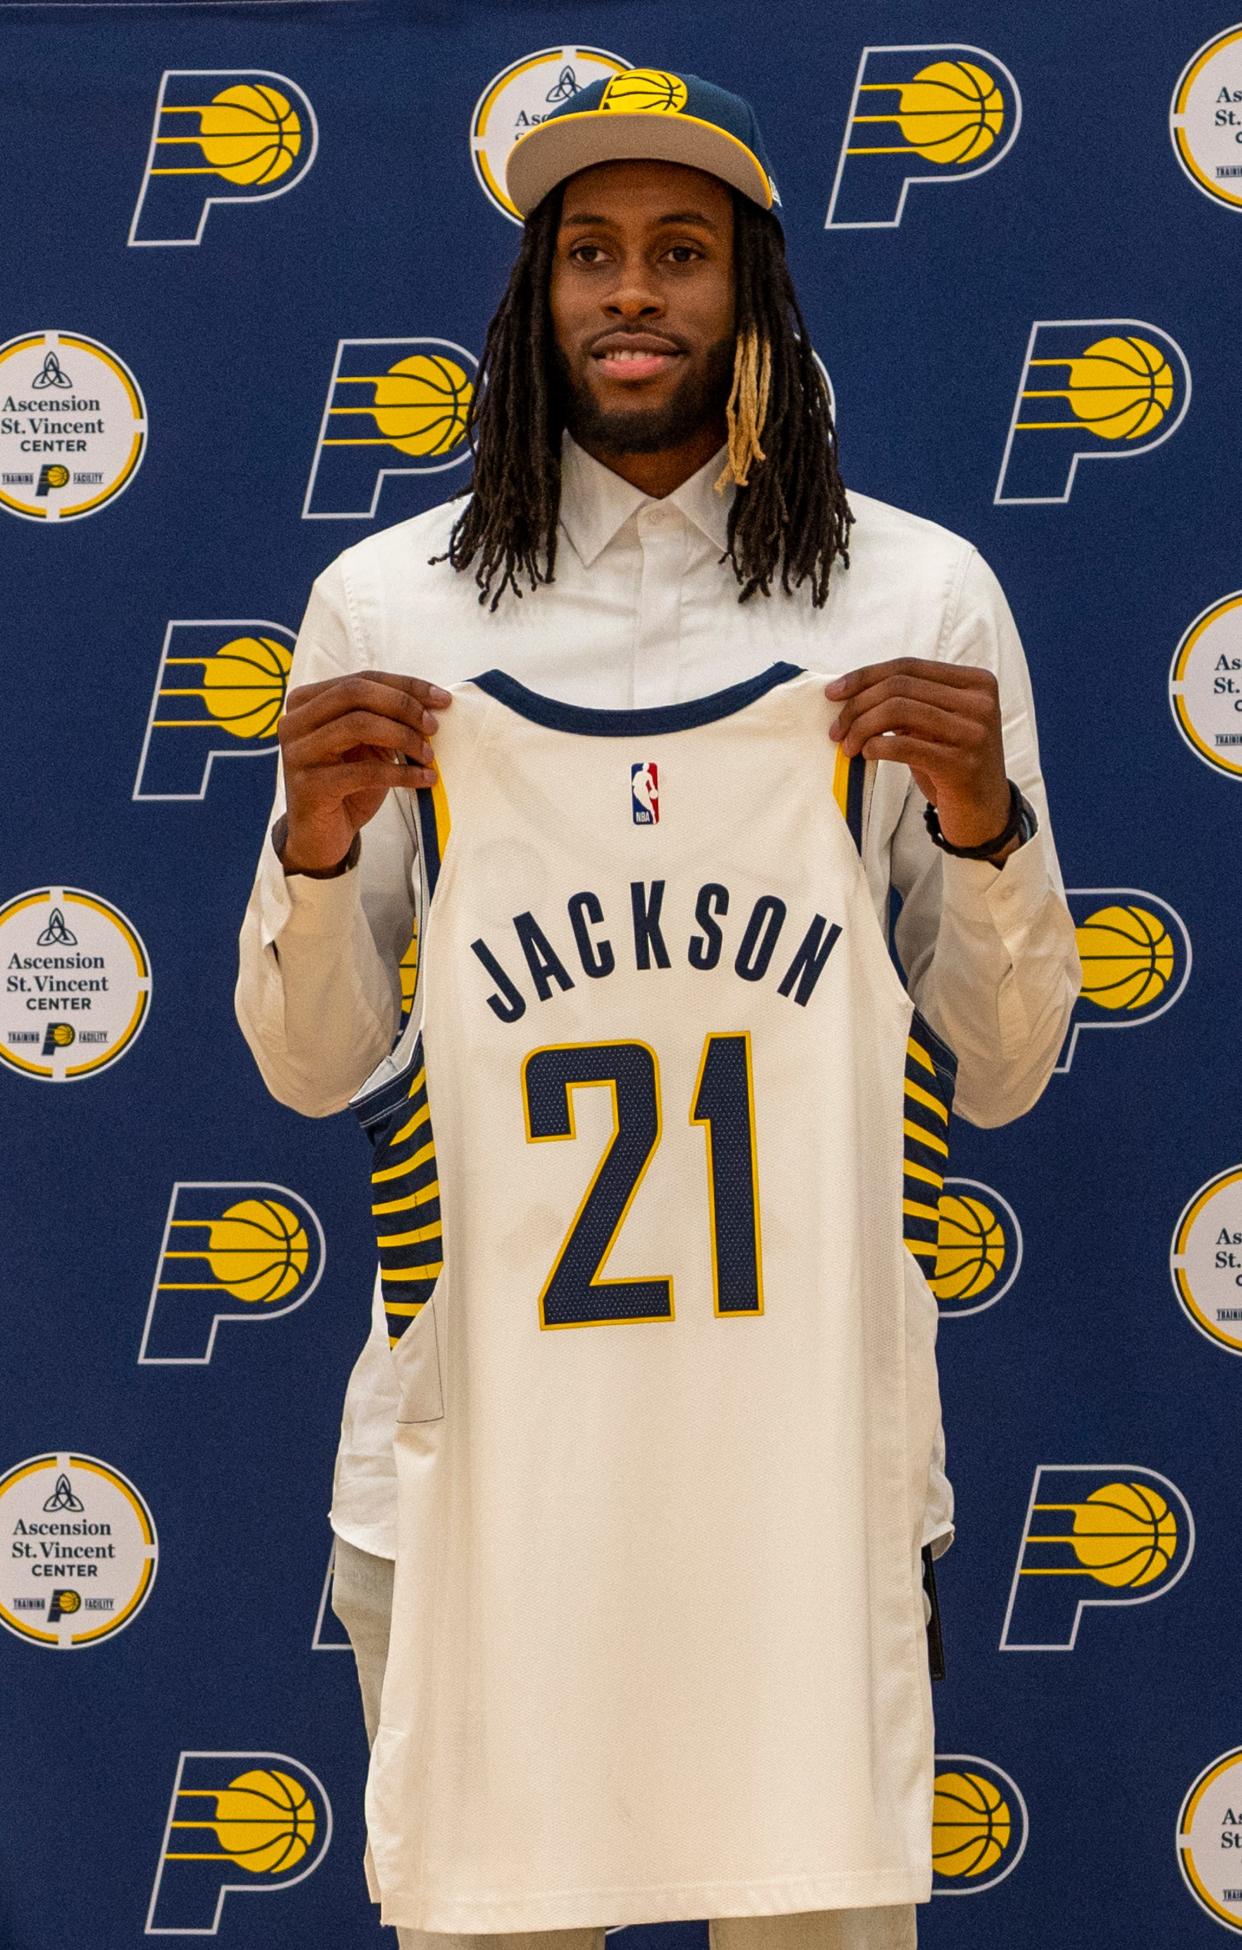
[[79, 1550], [978, 1248], [1135, 955], [1206, 1259], [394, 406], [1090, 389], [979, 1825], [77, 984], [229, 1252], [924, 114], [238, 1824], [1209, 1839], [220, 136], [1205, 685], [523, 95], [73, 426], [219, 693], [1205, 119], [1106, 1534]]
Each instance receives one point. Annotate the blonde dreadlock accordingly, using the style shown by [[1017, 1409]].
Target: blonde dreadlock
[[747, 409]]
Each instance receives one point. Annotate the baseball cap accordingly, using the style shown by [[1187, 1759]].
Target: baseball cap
[[644, 114]]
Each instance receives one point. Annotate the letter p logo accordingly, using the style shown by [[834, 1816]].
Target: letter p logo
[[1091, 389], [230, 1252], [1095, 1534], [221, 136], [237, 1824]]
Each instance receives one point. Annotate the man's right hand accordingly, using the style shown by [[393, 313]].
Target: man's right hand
[[342, 743]]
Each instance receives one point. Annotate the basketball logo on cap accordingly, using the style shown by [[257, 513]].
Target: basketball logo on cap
[[219, 693], [645, 91], [232, 1252], [1135, 956], [919, 115], [394, 406], [1091, 389], [978, 1248], [220, 136], [238, 1823], [522, 96], [1112, 1534], [979, 1825]]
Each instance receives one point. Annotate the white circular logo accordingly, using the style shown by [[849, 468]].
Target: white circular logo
[[80, 1550], [77, 984], [1206, 1263], [1205, 685], [1209, 1839], [73, 426], [523, 95], [1205, 118]]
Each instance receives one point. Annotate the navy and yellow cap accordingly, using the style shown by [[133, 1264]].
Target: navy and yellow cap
[[644, 114]]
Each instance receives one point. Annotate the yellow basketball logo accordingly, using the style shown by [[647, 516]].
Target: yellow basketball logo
[[258, 1250], [1091, 389], [229, 1252], [1127, 957], [244, 685], [264, 1814], [1096, 1536], [645, 91], [394, 406], [1120, 388], [219, 693], [952, 112], [220, 136], [420, 405], [919, 115], [263, 1822], [249, 134], [971, 1825], [1124, 1534], [970, 1248]]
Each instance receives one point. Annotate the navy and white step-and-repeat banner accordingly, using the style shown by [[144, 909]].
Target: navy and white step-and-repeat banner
[[250, 253]]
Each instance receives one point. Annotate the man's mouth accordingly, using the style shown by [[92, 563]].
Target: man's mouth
[[630, 363]]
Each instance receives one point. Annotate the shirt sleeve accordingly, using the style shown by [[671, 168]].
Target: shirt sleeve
[[318, 993], [989, 953]]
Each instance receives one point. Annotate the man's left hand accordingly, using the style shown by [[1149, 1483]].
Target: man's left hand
[[944, 722]]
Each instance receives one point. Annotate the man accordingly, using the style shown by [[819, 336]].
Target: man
[[653, 449]]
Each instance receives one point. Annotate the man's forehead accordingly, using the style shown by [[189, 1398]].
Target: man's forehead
[[649, 189]]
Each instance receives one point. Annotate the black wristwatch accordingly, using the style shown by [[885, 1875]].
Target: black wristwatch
[[1021, 824]]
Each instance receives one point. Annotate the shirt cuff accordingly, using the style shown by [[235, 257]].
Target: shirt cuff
[[1008, 897], [300, 904]]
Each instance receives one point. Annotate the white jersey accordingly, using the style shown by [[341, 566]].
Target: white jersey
[[656, 1158]]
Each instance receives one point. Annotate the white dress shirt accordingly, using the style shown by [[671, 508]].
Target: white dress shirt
[[643, 612]]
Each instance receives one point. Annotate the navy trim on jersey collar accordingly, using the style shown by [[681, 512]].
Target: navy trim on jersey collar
[[590, 723]]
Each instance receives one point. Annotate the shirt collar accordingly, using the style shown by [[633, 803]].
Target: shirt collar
[[596, 503]]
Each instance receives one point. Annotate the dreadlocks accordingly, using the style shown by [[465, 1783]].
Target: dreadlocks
[[793, 512]]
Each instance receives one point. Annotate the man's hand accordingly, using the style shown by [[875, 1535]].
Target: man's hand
[[944, 722], [341, 745]]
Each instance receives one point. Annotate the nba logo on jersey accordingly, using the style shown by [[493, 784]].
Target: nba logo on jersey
[[645, 794]]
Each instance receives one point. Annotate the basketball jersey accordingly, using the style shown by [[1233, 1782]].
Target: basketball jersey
[[657, 1156]]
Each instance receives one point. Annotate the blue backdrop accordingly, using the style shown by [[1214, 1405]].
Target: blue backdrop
[[1028, 263]]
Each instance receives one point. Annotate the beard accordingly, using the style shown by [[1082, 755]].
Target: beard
[[697, 401]]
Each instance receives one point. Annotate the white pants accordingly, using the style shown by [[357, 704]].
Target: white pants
[[362, 1600]]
